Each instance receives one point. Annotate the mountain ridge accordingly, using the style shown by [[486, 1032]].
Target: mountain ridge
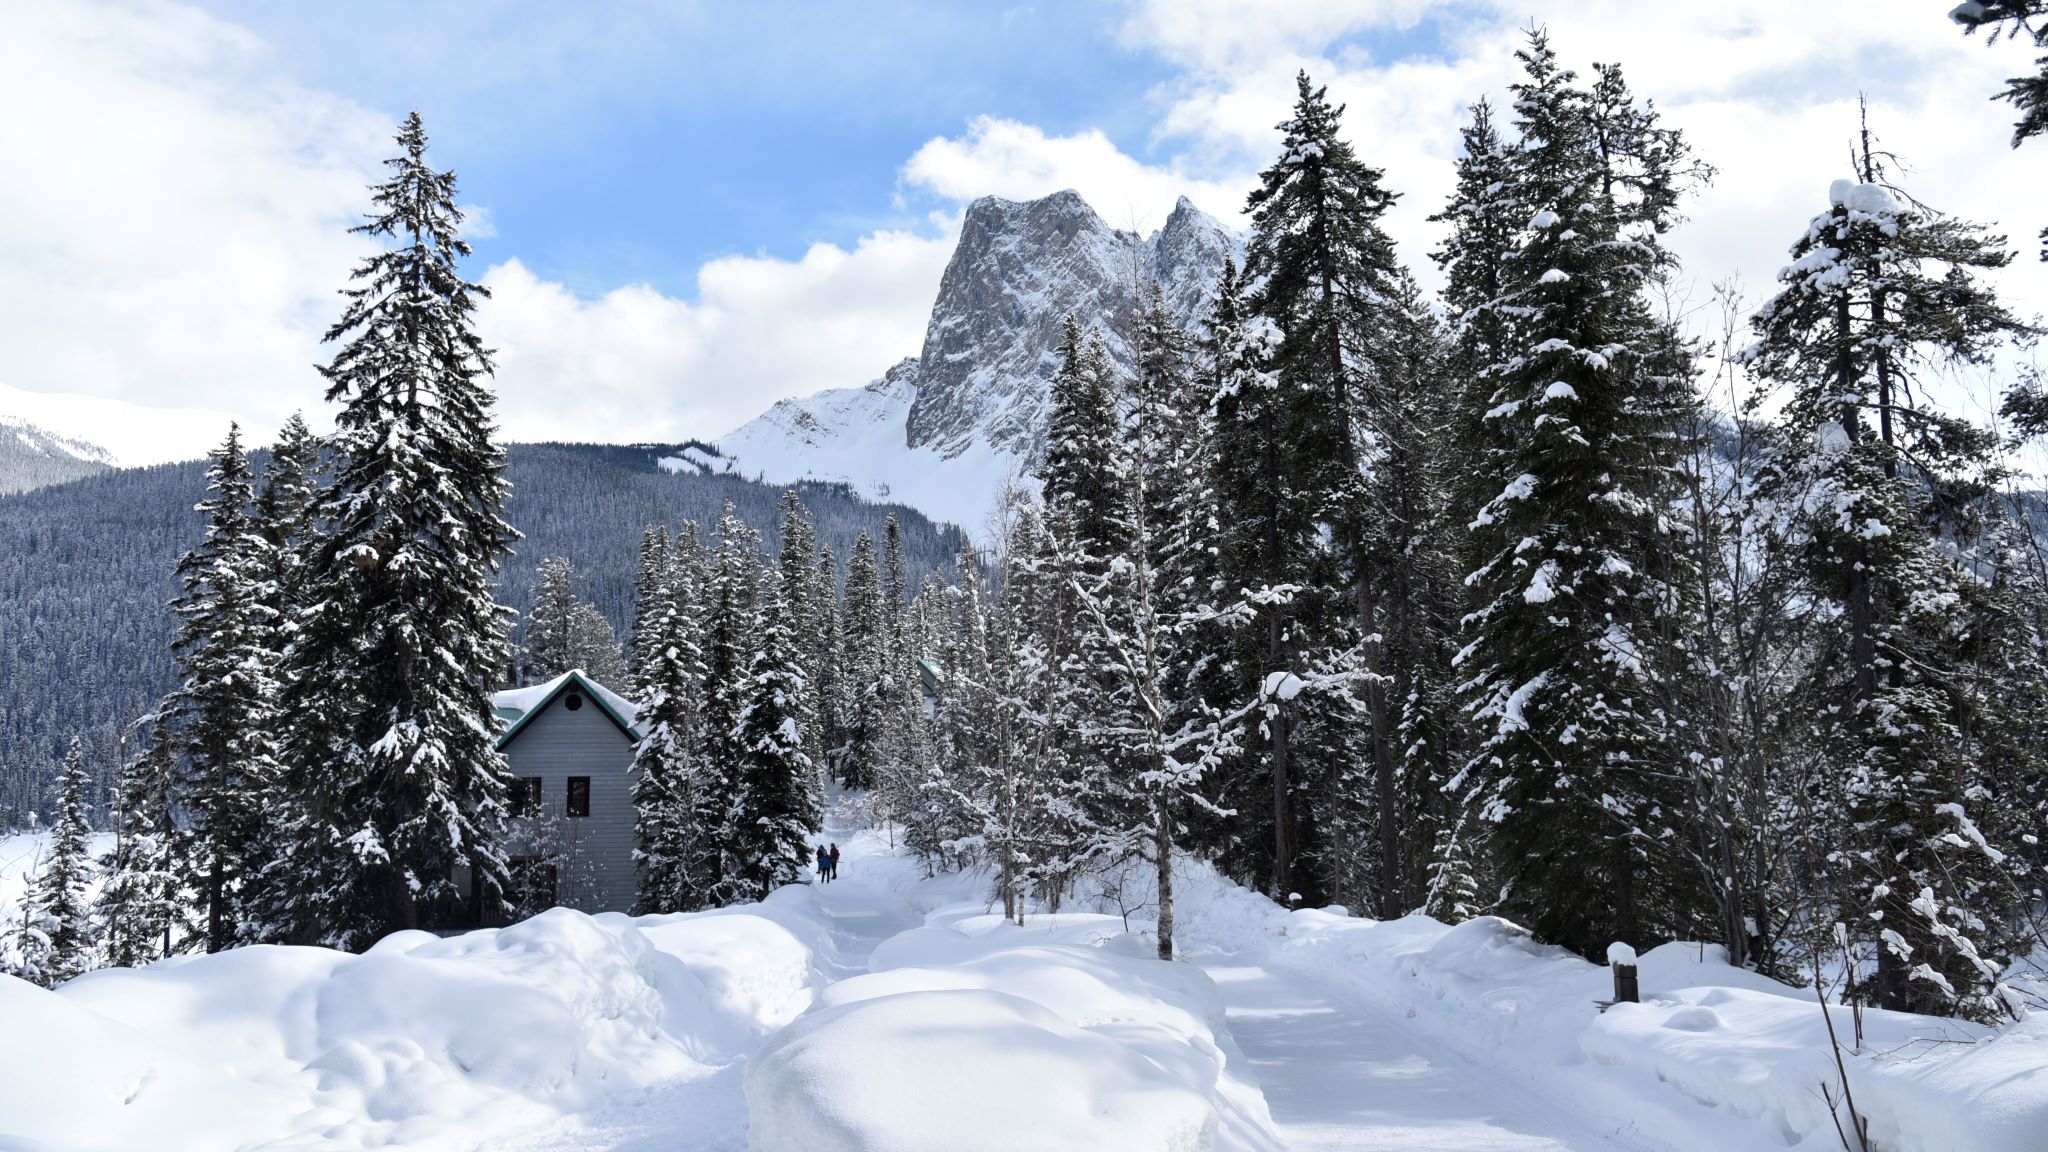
[[945, 429]]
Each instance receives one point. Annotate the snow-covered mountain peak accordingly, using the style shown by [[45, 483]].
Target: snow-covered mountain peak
[[978, 391]]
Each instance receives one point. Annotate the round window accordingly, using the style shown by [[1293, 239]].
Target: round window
[[572, 701]]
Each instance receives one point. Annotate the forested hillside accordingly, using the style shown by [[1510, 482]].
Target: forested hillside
[[87, 569]]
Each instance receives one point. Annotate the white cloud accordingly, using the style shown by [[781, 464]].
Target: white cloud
[[181, 228], [1017, 161], [1765, 91], [173, 218], [635, 364], [181, 232]]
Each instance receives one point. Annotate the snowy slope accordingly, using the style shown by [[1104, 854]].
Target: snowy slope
[[944, 430], [115, 433], [890, 1012], [31, 457], [856, 437], [883, 1013]]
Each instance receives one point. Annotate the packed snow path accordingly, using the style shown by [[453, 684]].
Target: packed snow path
[[1340, 1074]]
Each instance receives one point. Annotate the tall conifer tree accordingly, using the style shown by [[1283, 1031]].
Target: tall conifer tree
[[223, 715], [140, 904], [1567, 659], [56, 939], [1879, 291], [392, 760]]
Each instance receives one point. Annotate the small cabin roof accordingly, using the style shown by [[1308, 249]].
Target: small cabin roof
[[518, 706]]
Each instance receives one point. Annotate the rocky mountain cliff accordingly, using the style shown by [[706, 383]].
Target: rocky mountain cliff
[[942, 430]]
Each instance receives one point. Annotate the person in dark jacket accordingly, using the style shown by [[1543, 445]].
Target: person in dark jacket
[[832, 872]]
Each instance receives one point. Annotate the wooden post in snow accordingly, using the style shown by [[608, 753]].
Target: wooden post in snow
[[1622, 959]]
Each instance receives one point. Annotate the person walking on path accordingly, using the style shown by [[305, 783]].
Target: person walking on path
[[832, 872], [824, 865]]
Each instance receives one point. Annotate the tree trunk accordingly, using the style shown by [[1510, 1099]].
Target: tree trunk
[[1386, 796], [1162, 849], [216, 901], [1283, 812]]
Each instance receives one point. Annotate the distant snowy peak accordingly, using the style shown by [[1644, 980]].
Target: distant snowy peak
[[824, 420], [33, 457], [978, 392], [31, 439], [1020, 268], [115, 433], [856, 437]]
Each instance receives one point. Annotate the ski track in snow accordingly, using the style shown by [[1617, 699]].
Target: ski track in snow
[[1342, 1074]]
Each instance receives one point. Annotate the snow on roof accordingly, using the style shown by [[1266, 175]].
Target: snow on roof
[[515, 704]]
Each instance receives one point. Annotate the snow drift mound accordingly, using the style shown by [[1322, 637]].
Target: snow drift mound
[[421, 1041], [1064, 1034]]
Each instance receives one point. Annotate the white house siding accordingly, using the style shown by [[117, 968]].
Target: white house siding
[[554, 746]]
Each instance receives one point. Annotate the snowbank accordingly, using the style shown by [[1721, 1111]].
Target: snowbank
[[421, 1042], [971, 1032], [1714, 1057]]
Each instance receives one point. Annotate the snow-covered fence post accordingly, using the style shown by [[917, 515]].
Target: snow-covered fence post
[[1622, 959]]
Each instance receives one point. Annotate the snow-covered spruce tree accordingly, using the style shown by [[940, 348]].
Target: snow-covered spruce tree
[[141, 901], [968, 727], [1258, 535], [1141, 625], [223, 714], [1483, 221], [1326, 274], [781, 802], [1414, 546], [390, 761], [594, 646], [671, 751], [672, 853], [1025, 826], [1090, 511], [284, 509], [562, 632], [652, 591], [864, 654], [56, 938], [1569, 639], [831, 685], [933, 818], [1880, 290], [903, 752], [716, 791], [808, 601], [690, 584]]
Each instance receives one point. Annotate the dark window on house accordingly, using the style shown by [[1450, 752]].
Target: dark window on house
[[526, 795], [579, 795], [572, 701]]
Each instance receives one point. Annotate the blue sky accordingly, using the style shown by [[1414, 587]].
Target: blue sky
[[636, 147], [696, 210]]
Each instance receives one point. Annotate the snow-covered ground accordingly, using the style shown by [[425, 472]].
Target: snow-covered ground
[[889, 1012]]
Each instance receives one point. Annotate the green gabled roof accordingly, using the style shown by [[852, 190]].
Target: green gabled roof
[[607, 701]]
